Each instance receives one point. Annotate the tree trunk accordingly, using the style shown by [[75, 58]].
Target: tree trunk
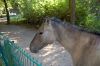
[[72, 10], [7, 12]]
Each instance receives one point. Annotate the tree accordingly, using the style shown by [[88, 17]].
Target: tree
[[72, 10], [7, 12], [15, 6]]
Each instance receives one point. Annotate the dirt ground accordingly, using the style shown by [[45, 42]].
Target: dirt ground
[[52, 55]]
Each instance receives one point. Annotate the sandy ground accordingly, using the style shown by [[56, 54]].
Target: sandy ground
[[3, 20], [52, 55]]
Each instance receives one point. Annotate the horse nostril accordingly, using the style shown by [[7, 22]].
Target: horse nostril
[[34, 51], [41, 33]]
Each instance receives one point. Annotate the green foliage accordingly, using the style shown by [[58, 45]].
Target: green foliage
[[88, 14], [1, 7], [17, 18], [35, 10], [1, 4]]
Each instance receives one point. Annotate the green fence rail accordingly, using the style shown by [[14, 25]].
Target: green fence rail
[[13, 55]]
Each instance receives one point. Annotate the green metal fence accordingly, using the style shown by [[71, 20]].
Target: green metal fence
[[13, 55]]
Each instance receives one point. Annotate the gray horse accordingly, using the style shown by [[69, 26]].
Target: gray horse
[[83, 46]]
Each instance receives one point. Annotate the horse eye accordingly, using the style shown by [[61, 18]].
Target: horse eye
[[40, 33]]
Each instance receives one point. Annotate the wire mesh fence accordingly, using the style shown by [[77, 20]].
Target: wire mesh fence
[[14, 55]]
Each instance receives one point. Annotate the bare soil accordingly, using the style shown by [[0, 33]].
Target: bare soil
[[52, 55]]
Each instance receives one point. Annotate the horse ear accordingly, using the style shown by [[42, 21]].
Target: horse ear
[[41, 27], [47, 19]]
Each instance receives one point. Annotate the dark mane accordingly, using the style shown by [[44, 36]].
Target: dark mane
[[65, 24]]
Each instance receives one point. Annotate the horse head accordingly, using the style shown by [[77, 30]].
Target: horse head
[[44, 36]]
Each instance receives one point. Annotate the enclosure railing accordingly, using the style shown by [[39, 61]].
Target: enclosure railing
[[13, 55]]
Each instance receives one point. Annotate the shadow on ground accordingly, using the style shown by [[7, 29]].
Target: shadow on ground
[[52, 55]]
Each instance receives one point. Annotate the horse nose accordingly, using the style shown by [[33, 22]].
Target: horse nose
[[34, 51]]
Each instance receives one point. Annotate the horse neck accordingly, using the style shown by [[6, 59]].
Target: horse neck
[[66, 35], [73, 40]]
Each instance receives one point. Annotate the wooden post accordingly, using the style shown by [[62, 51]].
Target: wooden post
[[72, 11], [7, 12]]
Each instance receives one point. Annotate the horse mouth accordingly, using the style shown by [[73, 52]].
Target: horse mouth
[[34, 50]]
